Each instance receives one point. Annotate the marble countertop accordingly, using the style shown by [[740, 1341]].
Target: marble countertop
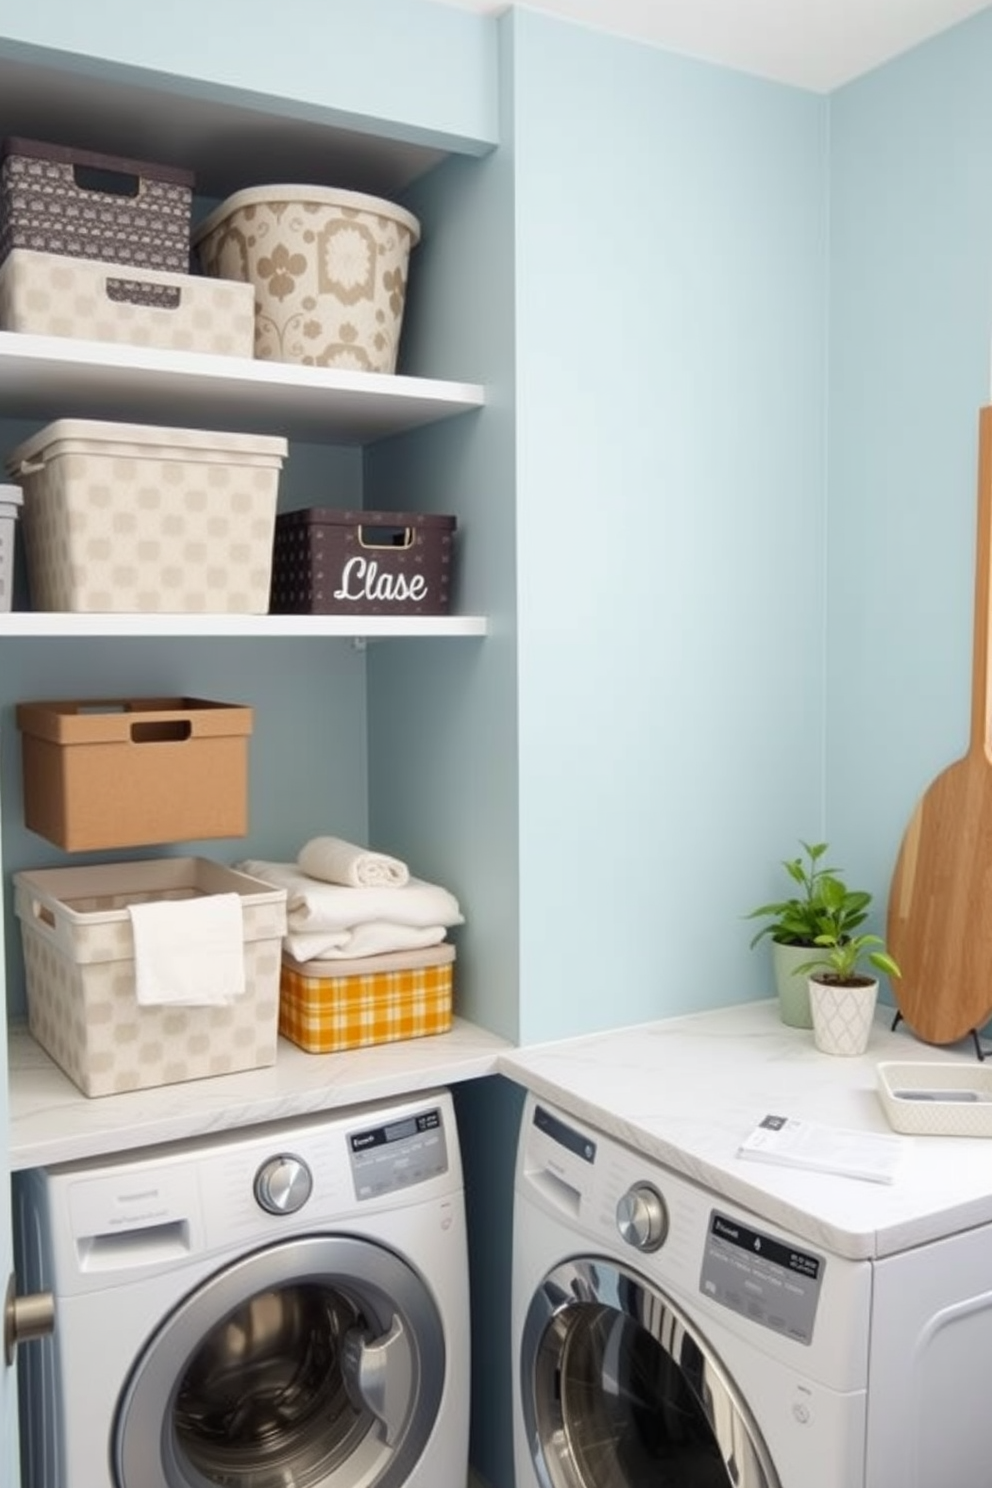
[[688, 1090], [52, 1121]]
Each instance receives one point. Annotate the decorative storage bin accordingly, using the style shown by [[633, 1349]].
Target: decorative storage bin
[[361, 563], [127, 773], [52, 295], [329, 269], [58, 200], [10, 505], [79, 960], [135, 518], [327, 1006]]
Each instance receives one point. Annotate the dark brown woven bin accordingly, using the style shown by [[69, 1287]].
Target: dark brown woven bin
[[361, 563], [54, 199]]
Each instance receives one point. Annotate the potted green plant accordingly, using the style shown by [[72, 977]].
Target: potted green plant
[[793, 925], [841, 980]]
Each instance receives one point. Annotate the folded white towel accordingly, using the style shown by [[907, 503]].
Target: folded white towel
[[313, 906], [442, 954], [338, 862], [374, 938], [188, 952]]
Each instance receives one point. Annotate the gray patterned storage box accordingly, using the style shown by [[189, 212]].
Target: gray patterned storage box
[[59, 200], [79, 963]]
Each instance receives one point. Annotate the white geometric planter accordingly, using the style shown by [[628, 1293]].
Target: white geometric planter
[[842, 1016]]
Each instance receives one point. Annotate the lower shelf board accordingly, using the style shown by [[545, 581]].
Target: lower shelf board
[[51, 1121], [272, 627]]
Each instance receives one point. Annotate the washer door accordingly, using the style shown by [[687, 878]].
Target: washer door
[[317, 1362], [619, 1390]]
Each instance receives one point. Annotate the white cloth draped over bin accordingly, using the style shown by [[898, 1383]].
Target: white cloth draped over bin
[[328, 922], [188, 952]]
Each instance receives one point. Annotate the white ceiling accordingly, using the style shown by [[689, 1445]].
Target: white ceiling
[[815, 44]]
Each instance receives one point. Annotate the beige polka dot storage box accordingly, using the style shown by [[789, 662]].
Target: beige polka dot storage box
[[11, 498], [139, 518], [79, 961], [48, 294], [329, 269]]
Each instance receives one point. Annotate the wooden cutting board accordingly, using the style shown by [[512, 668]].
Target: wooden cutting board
[[940, 902]]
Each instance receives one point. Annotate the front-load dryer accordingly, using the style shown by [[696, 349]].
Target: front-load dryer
[[283, 1306], [661, 1335]]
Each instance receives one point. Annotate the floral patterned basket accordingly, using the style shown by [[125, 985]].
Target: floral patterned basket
[[329, 270]]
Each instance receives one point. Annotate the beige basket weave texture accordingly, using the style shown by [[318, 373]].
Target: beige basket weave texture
[[138, 518], [79, 964], [50, 294]]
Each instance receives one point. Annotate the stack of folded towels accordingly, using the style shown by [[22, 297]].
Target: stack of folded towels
[[345, 902]]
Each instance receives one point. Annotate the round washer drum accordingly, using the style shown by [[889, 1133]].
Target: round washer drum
[[261, 1380], [617, 1387]]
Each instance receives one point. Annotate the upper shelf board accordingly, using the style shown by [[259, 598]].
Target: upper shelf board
[[229, 139], [52, 376]]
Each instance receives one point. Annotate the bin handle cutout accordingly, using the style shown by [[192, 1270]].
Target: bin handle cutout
[[390, 537], [107, 182], [43, 913], [135, 292], [168, 731]]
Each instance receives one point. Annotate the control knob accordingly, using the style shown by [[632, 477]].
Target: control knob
[[642, 1217], [283, 1184]]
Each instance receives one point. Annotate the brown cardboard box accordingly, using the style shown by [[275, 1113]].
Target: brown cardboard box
[[108, 773]]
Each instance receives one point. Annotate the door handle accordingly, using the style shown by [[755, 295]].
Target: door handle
[[379, 1376], [25, 1318]]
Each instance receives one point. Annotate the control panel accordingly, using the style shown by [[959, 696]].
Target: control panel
[[397, 1154], [767, 1280]]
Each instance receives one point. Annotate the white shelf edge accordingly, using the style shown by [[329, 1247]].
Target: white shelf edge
[[39, 373], [272, 627], [52, 1121]]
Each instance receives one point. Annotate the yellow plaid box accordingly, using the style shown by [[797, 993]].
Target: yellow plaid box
[[325, 1006]]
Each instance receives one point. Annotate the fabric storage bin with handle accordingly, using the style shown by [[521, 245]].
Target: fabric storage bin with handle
[[328, 1006], [361, 563], [48, 294], [84, 970], [139, 518], [56, 199]]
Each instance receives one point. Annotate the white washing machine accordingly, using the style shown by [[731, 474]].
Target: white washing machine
[[282, 1306], [663, 1336]]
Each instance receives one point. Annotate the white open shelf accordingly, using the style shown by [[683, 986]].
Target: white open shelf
[[369, 627], [324, 405]]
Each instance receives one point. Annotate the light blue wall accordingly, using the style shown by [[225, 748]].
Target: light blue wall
[[671, 232], [911, 323], [443, 763]]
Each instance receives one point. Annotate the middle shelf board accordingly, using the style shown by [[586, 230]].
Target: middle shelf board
[[271, 627], [49, 377]]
